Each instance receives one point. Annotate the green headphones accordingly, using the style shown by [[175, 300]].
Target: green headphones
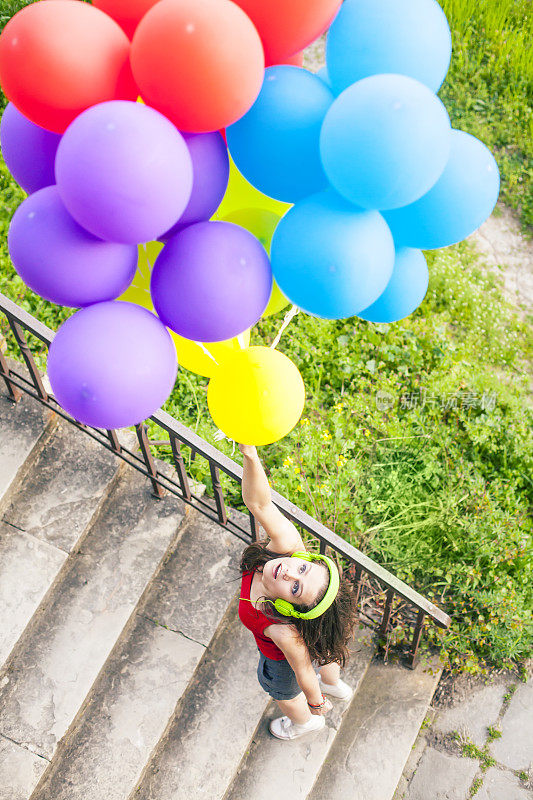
[[288, 610]]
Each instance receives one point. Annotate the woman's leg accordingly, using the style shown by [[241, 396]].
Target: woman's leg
[[296, 709], [330, 673]]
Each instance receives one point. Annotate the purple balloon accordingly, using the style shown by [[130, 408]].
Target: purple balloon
[[210, 164], [211, 282], [60, 260], [28, 150], [124, 172], [112, 365]]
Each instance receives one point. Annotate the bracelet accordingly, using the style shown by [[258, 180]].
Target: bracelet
[[320, 705]]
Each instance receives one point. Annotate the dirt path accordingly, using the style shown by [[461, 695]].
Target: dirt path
[[509, 253]]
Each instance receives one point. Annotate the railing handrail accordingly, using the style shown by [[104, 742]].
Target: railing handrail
[[301, 517], [218, 460]]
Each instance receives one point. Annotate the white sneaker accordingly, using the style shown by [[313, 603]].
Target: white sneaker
[[283, 728], [339, 690]]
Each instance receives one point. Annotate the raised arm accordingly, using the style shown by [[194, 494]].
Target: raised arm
[[283, 535]]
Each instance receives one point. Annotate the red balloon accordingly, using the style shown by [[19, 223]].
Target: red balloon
[[199, 62], [297, 60], [128, 13], [59, 57], [287, 26]]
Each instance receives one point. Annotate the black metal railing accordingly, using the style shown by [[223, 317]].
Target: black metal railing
[[383, 598]]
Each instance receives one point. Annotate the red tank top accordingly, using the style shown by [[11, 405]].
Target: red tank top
[[256, 621]]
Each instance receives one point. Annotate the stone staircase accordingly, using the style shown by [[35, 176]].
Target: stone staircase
[[125, 673]]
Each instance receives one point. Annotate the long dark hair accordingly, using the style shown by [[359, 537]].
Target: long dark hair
[[327, 636]]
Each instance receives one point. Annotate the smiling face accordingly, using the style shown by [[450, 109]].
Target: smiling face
[[293, 579]]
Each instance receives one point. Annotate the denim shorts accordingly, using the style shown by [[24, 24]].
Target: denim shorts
[[277, 678]]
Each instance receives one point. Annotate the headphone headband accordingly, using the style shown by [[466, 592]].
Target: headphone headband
[[287, 609]]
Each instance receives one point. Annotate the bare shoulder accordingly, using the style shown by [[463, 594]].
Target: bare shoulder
[[285, 636]]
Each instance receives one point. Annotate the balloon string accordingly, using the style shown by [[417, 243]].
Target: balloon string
[[220, 435], [202, 347], [287, 318]]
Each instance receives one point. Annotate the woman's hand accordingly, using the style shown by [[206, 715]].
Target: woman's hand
[[247, 450], [323, 710]]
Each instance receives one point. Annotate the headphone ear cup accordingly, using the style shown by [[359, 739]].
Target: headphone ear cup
[[284, 607]]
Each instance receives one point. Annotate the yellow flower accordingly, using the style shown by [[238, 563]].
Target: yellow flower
[[296, 470], [300, 488], [305, 421], [326, 435], [287, 462]]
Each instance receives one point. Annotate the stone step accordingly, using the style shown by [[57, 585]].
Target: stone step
[[377, 734], [213, 724], [24, 430], [274, 768], [135, 695], [44, 519], [61, 652]]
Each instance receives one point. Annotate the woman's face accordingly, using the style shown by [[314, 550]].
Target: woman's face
[[295, 580]]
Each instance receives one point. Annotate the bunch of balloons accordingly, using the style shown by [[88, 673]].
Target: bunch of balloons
[[120, 118]]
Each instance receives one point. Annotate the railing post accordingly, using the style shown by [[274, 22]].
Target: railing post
[[411, 661], [180, 467], [386, 613], [217, 491], [14, 392], [253, 527], [148, 459], [358, 582], [113, 438], [28, 358]]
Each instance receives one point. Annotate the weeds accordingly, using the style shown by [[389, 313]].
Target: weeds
[[494, 733], [471, 750]]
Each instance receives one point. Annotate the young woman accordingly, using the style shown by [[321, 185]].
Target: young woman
[[298, 610]]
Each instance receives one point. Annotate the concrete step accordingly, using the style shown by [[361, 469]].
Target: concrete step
[[59, 656], [135, 695], [44, 519], [24, 430], [377, 734], [213, 724], [274, 768]]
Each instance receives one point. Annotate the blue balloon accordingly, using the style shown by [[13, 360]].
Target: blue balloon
[[405, 290], [276, 143], [385, 141], [331, 259], [460, 201], [324, 77], [369, 37]]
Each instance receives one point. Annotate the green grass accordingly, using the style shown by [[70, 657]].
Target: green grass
[[489, 88]]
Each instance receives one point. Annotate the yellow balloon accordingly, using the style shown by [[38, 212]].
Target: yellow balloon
[[141, 297], [138, 291], [194, 358], [241, 194], [256, 396], [277, 301], [262, 223]]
